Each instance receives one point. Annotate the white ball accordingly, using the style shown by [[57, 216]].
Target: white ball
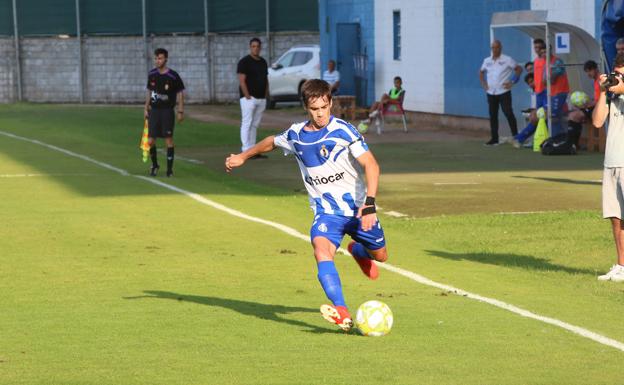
[[579, 98], [374, 318], [541, 114]]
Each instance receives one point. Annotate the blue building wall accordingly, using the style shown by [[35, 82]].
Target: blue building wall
[[467, 43], [332, 12], [598, 17]]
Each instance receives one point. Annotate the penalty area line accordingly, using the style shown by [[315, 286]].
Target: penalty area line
[[290, 231]]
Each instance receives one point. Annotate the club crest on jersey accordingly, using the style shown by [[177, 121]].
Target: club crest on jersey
[[322, 228], [324, 152], [166, 86]]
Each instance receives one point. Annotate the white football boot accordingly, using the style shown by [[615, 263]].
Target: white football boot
[[616, 274]]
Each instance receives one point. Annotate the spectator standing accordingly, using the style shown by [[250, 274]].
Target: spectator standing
[[332, 76], [253, 82], [613, 175], [497, 75], [559, 86]]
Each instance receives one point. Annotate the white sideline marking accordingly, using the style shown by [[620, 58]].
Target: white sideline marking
[[395, 214], [178, 157], [527, 212], [67, 152], [290, 231]]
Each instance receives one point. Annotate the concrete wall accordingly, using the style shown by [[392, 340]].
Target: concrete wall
[[8, 91], [115, 68], [577, 13], [422, 69], [50, 70]]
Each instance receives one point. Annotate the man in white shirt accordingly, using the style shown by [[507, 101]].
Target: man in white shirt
[[332, 76], [498, 74]]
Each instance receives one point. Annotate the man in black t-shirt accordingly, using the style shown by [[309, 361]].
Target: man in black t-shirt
[[254, 89], [164, 88]]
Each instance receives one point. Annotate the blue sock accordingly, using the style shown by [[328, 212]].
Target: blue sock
[[524, 134], [359, 251], [330, 281]]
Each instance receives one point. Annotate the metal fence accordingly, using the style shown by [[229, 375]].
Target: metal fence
[[81, 19]]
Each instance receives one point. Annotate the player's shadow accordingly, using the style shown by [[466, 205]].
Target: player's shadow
[[255, 309], [526, 262], [562, 180]]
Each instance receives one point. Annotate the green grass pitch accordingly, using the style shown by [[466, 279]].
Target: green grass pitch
[[109, 279]]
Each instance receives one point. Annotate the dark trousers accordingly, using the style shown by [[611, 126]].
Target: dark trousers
[[504, 100]]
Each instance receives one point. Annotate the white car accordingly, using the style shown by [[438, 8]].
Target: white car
[[288, 73]]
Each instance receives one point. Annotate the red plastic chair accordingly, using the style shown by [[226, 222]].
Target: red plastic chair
[[394, 107]]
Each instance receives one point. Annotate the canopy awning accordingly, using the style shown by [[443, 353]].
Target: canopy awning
[[535, 24]]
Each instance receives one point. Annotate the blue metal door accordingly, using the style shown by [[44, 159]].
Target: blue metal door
[[348, 44]]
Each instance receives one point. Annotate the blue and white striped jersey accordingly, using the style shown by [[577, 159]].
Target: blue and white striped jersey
[[327, 160]]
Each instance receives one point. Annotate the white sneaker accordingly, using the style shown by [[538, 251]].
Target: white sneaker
[[516, 143], [616, 274]]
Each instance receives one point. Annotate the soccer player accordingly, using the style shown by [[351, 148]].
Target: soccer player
[[341, 176], [164, 88]]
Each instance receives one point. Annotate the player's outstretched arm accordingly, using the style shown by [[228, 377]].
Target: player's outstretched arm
[[371, 169], [236, 160]]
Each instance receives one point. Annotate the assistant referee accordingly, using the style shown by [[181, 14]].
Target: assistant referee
[[164, 88]]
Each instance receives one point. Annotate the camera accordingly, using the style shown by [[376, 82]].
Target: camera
[[611, 80]]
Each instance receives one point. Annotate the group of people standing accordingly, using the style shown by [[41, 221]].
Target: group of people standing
[[339, 171], [607, 107], [499, 73]]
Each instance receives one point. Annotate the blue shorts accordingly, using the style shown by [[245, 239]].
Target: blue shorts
[[541, 100], [334, 228]]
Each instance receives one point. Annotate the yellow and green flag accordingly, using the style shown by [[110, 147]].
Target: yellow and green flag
[[541, 134], [144, 144]]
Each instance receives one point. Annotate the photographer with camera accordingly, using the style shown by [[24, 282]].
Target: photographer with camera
[[613, 176]]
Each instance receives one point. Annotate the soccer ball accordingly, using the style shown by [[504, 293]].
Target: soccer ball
[[362, 128], [541, 114], [579, 99], [374, 318]]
